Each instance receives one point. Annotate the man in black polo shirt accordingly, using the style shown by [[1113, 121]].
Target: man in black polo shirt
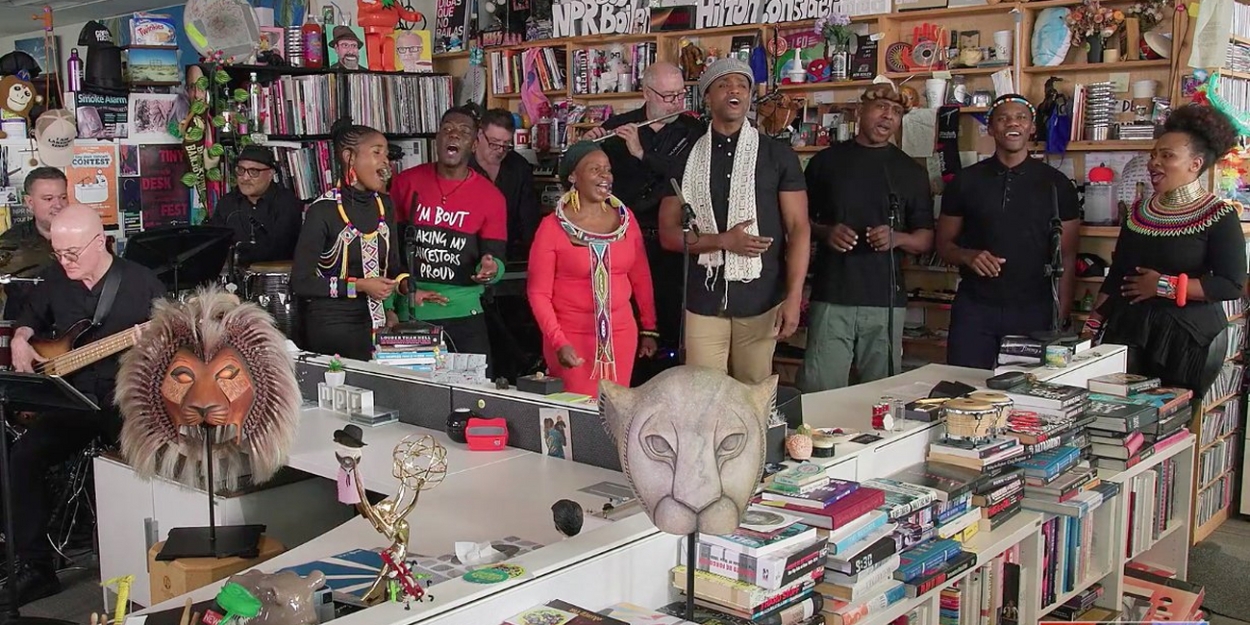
[[749, 253], [849, 189], [494, 157], [72, 289], [266, 217], [26, 242], [996, 227], [646, 158]]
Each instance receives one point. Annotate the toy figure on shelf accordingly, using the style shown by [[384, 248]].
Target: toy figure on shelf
[[17, 98], [349, 440], [419, 464], [691, 60], [380, 18]]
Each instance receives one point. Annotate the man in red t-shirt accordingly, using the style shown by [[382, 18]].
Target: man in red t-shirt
[[460, 225]]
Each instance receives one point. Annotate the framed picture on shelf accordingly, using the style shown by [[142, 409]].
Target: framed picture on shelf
[[413, 51], [273, 39], [150, 114], [347, 48]]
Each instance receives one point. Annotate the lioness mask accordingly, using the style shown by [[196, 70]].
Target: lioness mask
[[691, 443]]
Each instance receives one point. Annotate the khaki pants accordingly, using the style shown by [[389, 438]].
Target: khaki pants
[[740, 346]]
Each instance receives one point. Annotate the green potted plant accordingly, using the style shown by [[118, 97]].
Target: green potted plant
[[336, 372]]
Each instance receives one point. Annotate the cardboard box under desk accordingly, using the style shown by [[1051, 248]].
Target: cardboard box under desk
[[173, 578]]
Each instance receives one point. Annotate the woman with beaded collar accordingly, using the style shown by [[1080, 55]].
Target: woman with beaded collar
[[347, 259], [1180, 253]]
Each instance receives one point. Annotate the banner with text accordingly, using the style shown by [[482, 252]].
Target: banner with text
[[718, 13], [578, 18], [777, 11]]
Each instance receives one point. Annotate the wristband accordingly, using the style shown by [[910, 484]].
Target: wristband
[[334, 287], [1174, 288], [351, 288], [649, 334]]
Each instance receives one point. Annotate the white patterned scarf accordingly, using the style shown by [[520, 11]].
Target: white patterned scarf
[[695, 186]]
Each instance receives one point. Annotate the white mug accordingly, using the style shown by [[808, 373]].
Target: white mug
[[1002, 45], [935, 92]]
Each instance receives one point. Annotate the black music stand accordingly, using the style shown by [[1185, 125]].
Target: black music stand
[[33, 392], [241, 541], [183, 256]]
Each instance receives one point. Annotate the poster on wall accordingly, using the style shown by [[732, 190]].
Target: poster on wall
[[578, 18], [166, 201], [451, 25], [150, 115], [718, 13], [92, 178], [101, 116], [131, 206]]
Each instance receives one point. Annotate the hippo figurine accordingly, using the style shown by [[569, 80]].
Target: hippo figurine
[[285, 598]]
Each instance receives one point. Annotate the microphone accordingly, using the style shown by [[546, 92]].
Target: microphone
[[687, 211], [892, 196]]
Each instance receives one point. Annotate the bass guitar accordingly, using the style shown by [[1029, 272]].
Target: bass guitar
[[65, 356]]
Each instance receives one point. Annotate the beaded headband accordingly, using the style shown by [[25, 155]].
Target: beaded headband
[[1011, 99]]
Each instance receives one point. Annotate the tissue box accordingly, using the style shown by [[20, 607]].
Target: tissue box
[[545, 385]]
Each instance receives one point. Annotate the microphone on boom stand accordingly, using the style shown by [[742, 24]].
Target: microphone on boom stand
[[1054, 271], [687, 226]]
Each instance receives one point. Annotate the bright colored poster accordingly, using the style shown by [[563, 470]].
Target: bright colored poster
[[413, 53], [93, 179]]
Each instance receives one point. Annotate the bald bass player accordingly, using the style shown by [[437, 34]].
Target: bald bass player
[[113, 295]]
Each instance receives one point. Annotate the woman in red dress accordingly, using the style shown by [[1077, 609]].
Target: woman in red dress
[[592, 249]]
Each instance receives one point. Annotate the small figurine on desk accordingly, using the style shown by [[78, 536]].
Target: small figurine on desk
[[568, 517], [349, 440]]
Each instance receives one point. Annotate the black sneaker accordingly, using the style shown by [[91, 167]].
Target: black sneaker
[[33, 582]]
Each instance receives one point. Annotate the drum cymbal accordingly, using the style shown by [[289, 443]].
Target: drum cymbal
[[25, 261]]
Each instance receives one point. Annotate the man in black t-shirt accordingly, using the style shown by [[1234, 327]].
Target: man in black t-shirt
[[751, 242], [72, 289], [849, 191], [266, 217], [996, 223], [24, 246]]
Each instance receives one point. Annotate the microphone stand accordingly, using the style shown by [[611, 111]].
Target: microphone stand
[[687, 227], [889, 320], [1054, 271]]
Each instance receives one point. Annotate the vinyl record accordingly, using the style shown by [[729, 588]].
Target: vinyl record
[[898, 57]]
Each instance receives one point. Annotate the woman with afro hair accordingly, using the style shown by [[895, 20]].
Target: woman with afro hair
[[1180, 253]]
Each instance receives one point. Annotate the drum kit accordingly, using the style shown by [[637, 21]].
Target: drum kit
[[268, 285]]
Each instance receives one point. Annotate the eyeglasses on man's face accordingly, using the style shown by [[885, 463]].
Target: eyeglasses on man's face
[[72, 254], [669, 98], [251, 172]]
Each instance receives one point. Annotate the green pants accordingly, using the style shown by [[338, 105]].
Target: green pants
[[841, 336]]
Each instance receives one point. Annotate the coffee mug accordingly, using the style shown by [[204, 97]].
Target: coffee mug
[[1002, 45]]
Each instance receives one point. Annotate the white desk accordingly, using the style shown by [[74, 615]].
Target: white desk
[[314, 447], [486, 496]]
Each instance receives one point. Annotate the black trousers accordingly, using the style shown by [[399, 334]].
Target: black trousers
[[977, 328], [332, 328], [54, 438], [666, 272]]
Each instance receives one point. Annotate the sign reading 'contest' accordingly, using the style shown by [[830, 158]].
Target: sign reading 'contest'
[[578, 18]]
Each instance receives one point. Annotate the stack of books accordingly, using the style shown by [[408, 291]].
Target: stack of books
[[1135, 420], [768, 569], [416, 349], [988, 456], [999, 497], [1072, 609]]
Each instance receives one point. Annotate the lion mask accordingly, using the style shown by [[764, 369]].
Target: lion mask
[[211, 361], [691, 442]]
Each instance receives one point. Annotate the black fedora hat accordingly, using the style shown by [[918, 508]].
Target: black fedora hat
[[350, 436]]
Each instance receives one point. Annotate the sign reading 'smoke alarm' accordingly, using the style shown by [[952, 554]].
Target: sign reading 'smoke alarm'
[[578, 18]]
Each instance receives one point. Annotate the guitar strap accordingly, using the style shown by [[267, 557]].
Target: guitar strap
[[108, 294]]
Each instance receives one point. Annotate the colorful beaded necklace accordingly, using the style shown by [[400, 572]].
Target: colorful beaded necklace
[[372, 261], [1182, 211], [599, 245]]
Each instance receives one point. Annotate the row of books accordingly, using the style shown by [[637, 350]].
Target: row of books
[[1234, 308], [1219, 422], [1217, 460], [983, 596], [1236, 339], [1213, 499], [509, 69], [305, 167], [299, 105], [1227, 384]]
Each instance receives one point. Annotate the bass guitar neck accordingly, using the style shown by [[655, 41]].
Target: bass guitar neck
[[63, 358]]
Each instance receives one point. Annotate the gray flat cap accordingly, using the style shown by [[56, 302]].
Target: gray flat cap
[[725, 67]]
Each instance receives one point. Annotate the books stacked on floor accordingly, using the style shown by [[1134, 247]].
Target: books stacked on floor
[[1073, 609], [765, 571], [416, 348], [1135, 419]]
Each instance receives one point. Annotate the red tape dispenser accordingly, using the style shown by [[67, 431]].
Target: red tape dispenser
[[486, 434]]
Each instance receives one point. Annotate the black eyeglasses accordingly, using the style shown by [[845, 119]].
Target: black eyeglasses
[[499, 147], [669, 98], [250, 172]]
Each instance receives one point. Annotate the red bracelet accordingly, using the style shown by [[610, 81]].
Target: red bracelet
[[1182, 289]]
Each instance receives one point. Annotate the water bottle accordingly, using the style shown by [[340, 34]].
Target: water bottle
[[74, 68]]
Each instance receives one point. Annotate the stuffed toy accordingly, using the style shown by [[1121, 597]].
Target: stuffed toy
[[379, 18], [17, 97]]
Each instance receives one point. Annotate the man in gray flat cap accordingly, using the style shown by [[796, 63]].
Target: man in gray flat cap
[[751, 239]]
